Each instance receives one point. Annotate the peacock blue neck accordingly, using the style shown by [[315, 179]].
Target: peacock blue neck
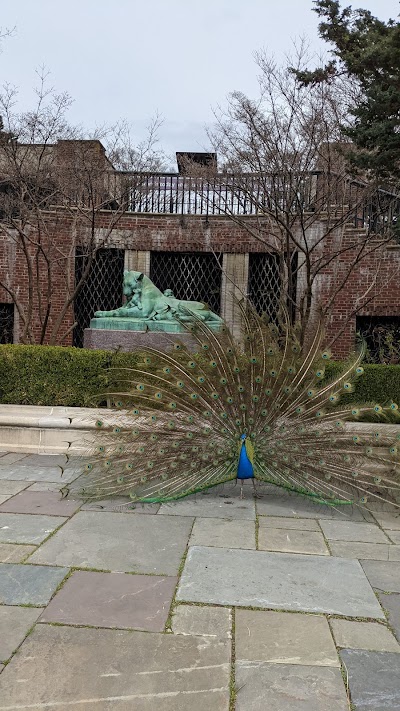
[[245, 468]]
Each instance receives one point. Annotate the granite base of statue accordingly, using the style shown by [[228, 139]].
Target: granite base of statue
[[149, 318]]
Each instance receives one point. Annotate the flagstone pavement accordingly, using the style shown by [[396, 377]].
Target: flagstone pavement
[[210, 603]]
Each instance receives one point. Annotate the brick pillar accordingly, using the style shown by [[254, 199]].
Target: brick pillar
[[137, 261], [235, 275]]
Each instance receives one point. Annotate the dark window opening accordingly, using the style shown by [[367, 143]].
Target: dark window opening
[[6, 323], [265, 283], [101, 290], [192, 276], [382, 337]]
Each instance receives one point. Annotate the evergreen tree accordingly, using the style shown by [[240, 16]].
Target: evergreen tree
[[367, 50]]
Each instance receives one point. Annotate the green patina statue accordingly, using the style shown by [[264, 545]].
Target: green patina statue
[[147, 308]]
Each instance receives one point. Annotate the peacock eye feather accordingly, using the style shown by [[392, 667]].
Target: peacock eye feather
[[241, 388], [135, 412], [207, 413], [213, 364], [116, 430], [223, 381], [120, 480], [140, 386], [359, 370], [394, 406], [191, 364], [158, 395], [215, 396], [99, 423], [167, 370], [177, 347], [205, 346], [201, 379], [268, 392], [378, 409], [172, 405], [273, 373], [253, 360]]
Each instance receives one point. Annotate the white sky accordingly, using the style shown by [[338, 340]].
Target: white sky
[[130, 58]]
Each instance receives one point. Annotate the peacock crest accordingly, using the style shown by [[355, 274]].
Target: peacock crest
[[264, 408]]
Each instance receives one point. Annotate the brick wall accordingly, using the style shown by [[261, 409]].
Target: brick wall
[[149, 232]]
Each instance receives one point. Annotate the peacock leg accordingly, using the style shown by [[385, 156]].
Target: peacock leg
[[241, 489], [257, 495]]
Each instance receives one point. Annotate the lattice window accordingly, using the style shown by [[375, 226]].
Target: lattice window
[[6, 323], [193, 276], [266, 280], [101, 291], [382, 337]]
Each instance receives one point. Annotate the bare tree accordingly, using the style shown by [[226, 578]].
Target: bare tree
[[285, 181], [55, 185]]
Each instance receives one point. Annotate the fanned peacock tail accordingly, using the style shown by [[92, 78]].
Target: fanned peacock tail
[[183, 415]]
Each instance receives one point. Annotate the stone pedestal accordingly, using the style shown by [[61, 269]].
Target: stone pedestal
[[113, 339]]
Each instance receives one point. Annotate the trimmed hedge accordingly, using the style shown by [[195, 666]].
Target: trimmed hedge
[[54, 375], [75, 377]]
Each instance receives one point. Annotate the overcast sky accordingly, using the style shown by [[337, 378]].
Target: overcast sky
[[131, 58]]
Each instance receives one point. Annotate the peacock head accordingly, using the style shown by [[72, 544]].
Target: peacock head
[[243, 436]]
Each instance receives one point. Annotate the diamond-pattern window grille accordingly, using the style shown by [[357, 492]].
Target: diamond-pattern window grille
[[6, 323], [192, 276], [102, 289], [267, 279]]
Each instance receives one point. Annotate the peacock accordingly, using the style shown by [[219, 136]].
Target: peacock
[[263, 407]]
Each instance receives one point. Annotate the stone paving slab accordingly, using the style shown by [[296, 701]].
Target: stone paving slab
[[45, 486], [394, 536], [223, 533], [363, 635], [367, 551], [27, 528], [373, 679], [284, 638], [350, 531], [300, 524], [388, 520], [32, 474], [113, 600], [382, 575], [100, 669], [15, 623], [391, 603], [40, 502], [293, 505], [28, 584], [202, 620], [12, 553], [10, 458], [294, 541], [211, 507], [4, 497], [394, 553], [121, 505], [113, 541], [12, 487], [43, 460], [281, 687], [277, 580]]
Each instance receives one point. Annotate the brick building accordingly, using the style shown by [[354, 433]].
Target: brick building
[[199, 236]]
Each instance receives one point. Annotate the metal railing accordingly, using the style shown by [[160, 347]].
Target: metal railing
[[252, 195]]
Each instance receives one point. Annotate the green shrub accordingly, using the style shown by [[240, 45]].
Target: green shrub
[[53, 375]]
